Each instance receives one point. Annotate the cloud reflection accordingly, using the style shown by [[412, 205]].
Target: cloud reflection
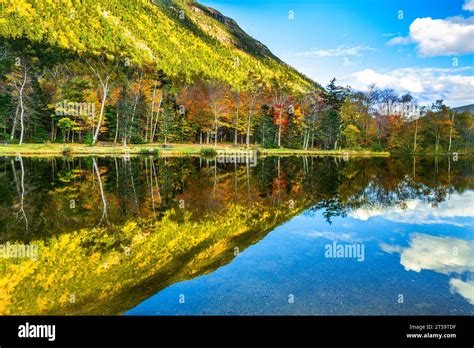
[[465, 289], [444, 255], [440, 254], [416, 211]]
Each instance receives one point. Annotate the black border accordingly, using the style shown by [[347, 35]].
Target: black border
[[194, 330]]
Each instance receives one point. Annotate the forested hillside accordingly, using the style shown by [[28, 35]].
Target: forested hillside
[[176, 71], [183, 38]]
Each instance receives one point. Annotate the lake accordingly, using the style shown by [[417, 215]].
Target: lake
[[273, 236]]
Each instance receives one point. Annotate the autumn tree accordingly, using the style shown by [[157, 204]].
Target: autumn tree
[[437, 124], [254, 90], [217, 94], [280, 103], [104, 74]]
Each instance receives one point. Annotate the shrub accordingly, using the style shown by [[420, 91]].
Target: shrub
[[377, 147], [67, 150], [88, 139], [136, 139], [149, 151], [208, 152]]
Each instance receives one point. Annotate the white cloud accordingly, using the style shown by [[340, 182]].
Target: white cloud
[[440, 37], [444, 255], [338, 52], [465, 289], [468, 5], [399, 40], [409, 82], [426, 84], [336, 236], [391, 249], [391, 34]]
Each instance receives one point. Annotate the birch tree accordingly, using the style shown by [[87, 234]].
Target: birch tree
[[19, 79], [104, 75]]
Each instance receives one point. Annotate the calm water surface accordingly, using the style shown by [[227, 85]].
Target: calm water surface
[[319, 236]]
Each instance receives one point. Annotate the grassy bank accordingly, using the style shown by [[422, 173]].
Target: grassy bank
[[158, 149], [342, 152]]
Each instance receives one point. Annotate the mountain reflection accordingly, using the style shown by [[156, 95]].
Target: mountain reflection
[[112, 232]]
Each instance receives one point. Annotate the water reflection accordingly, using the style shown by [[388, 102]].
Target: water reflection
[[417, 211], [440, 254], [465, 289], [50, 196], [115, 231], [445, 255]]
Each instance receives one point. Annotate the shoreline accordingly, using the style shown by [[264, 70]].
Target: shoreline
[[183, 150], [172, 150]]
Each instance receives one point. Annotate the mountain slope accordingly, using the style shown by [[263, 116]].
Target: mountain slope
[[464, 108], [184, 38]]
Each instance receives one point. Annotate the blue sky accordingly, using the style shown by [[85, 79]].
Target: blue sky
[[417, 46]]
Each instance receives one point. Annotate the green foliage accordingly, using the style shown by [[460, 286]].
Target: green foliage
[[184, 39], [330, 126], [376, 147], [149, 151], [208, 152], [88, 139], [67, 150]]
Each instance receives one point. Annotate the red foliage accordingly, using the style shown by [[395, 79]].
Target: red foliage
[[280, 112]]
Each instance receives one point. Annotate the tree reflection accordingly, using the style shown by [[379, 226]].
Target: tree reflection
[[102, 194], [147, 187], [20, 186]]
